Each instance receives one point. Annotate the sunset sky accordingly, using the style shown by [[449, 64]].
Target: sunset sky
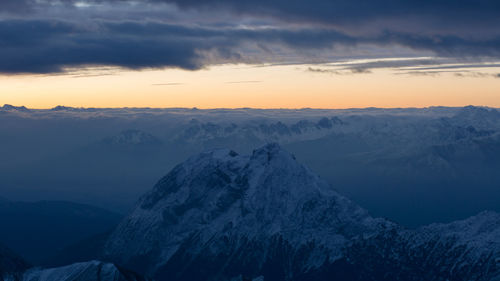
[[268, 54]]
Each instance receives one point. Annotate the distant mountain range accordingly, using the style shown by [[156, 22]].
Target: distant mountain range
[[198, 132], [410, 158]]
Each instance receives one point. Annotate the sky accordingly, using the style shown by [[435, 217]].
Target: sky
[[261, 53]]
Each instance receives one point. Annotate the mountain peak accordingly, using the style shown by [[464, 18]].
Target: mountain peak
[[270, 151], [61, 108], [219, 195], [220, 215], [14, 108]]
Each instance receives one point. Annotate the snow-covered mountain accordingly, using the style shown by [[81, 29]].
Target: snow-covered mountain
[[221, 215], [461, 250], [220, 204]]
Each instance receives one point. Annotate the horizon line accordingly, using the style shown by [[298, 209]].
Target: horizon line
[[63, 107]]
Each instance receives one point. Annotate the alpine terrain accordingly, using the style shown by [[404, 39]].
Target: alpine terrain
[[225, 216]]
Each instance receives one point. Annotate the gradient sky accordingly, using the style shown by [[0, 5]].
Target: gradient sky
[[272, 54]]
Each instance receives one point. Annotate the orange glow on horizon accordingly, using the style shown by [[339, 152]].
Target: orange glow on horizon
[[237, 86]]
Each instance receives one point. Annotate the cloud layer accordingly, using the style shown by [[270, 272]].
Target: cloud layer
[[48, 36]]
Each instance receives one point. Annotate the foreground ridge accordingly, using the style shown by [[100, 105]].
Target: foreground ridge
[[221, 215]]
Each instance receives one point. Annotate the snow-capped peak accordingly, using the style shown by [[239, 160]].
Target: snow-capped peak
[[220, 195], [221, 215]]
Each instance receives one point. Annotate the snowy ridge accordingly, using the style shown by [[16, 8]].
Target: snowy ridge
[[462, 250], [475, 233], [301, 130]]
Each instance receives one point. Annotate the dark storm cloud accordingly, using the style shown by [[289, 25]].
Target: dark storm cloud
[[46, 36], [326, 11], [23, 6], [45, 46], [341, 11], [49, 46], [447, 45], [16, 6]]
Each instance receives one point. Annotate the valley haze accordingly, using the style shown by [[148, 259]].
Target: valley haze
[[419, 165]]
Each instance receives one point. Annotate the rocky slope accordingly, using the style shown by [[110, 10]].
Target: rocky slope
[[240, 212], [462, 250], [220, 215]]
